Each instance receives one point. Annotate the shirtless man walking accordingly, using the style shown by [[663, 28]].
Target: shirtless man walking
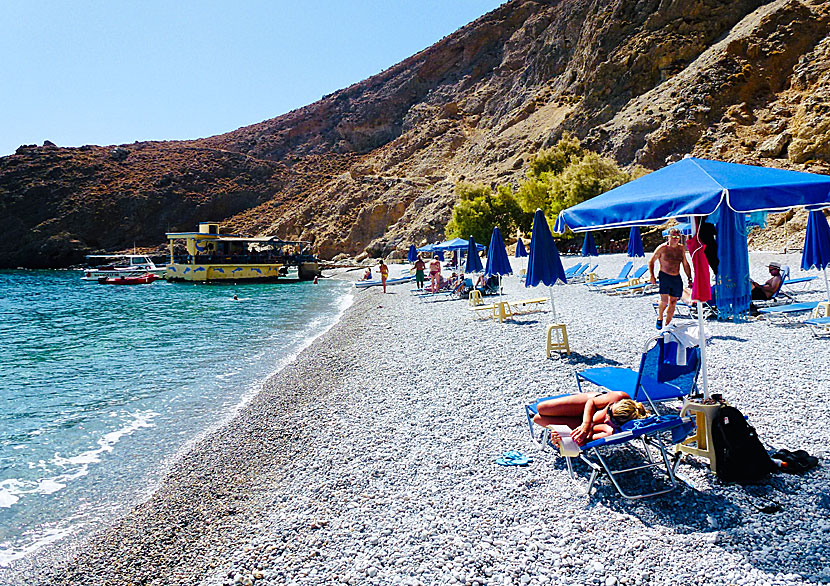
[[670, 255]]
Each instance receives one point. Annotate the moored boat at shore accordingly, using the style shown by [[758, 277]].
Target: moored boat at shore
[[208, 256], [103, 266], [144, 279]]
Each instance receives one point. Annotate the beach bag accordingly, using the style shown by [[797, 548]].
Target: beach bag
[[739, 454]]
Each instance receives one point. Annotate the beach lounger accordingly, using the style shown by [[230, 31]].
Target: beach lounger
[[635, 280], [786, 312], [820, 326], [526, 306], [624, 272], [572, 270], [798, 285], [639, 288], [582, 274], [656, 380]]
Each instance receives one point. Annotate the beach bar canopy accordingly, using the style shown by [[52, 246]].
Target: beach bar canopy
[[697, 187]]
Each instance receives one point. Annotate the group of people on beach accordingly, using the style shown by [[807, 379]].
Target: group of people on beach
[[671, 256]]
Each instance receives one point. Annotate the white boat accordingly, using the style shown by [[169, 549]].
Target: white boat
[[103, 266]]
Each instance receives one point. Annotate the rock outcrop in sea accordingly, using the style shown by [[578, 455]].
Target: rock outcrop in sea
[[372, 167]]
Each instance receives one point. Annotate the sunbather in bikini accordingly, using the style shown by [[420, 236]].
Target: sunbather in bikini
[[590, 415]]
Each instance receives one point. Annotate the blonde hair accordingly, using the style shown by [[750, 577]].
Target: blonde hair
[[626, 410]]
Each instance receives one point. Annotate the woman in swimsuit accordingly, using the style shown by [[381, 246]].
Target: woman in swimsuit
[[435, 273], [590, 415]]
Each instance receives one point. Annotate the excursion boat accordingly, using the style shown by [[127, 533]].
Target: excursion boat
[[144, 279], [103, 266], [208, 256]]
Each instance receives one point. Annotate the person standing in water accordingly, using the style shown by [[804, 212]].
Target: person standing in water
[[670, 255], [384, 273]]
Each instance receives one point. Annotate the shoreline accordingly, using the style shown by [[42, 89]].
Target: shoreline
[[369, 459], [75, 541]]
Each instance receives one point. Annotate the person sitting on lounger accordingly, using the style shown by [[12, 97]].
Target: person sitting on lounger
[[768, 289], [590, 415], [481, 283]]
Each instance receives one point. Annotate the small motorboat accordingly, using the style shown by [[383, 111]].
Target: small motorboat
[[144, 279]]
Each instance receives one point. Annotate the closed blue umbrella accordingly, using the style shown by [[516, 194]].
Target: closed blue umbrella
[[412, 255], [817, 246], [544, 264], [473, 264], [635, 243], [497, 261], [520, 249], [588, 246]]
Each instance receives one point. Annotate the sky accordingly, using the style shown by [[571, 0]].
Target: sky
[[108, 72]]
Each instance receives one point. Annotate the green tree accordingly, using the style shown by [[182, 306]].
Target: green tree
[[479, 210], [566, 175]]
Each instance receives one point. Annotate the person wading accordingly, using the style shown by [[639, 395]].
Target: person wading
[[670, 255]]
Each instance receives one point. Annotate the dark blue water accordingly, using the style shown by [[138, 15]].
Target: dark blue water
[[101, 385]]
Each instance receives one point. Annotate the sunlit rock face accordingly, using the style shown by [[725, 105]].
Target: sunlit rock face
[[371, 168]]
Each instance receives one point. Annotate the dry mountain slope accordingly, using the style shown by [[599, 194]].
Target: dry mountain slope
[[373, 166]]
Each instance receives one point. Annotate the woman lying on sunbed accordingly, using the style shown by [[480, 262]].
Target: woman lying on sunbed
[[590, 415]]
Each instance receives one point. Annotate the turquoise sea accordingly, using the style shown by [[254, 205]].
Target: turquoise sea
[[101, 385]]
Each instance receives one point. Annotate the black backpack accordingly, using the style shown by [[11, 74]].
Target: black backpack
[[740, 455]]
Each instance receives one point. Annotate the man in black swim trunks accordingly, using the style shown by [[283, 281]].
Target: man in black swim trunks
[[670, 255]]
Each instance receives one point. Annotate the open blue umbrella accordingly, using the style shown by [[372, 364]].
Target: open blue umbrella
[[473, 264], [412, 255], [635, 243], [588, 246], [520, 249], [817, 246], [698, 187], [544, 264], [497, 261]]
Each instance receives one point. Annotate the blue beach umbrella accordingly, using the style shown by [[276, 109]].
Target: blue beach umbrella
[[473, 264], [635, 243], [588, 246], [497, 261], [412, 255], [816, 252], [544, 264], [520, 249]]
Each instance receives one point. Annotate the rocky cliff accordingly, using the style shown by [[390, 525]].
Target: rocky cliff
[[372, 167]]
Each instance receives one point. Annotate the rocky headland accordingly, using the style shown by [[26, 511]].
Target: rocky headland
[[371, 168]]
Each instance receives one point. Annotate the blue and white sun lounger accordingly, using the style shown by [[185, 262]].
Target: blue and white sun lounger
[[624, 272], [659, 378], [819, 325], [787, 312]]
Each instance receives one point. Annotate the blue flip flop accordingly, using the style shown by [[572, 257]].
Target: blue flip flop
[[513, 458]]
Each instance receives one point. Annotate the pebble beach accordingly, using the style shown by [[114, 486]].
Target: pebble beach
[[370, 459]]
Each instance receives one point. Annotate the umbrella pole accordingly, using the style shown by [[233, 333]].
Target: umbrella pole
[[552, 306], [702, 333], [826, 283]]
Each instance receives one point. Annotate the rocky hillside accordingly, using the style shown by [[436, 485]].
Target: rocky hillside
[[372, 167]]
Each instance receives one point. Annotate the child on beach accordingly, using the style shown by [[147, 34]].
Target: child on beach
[[590, 415]]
